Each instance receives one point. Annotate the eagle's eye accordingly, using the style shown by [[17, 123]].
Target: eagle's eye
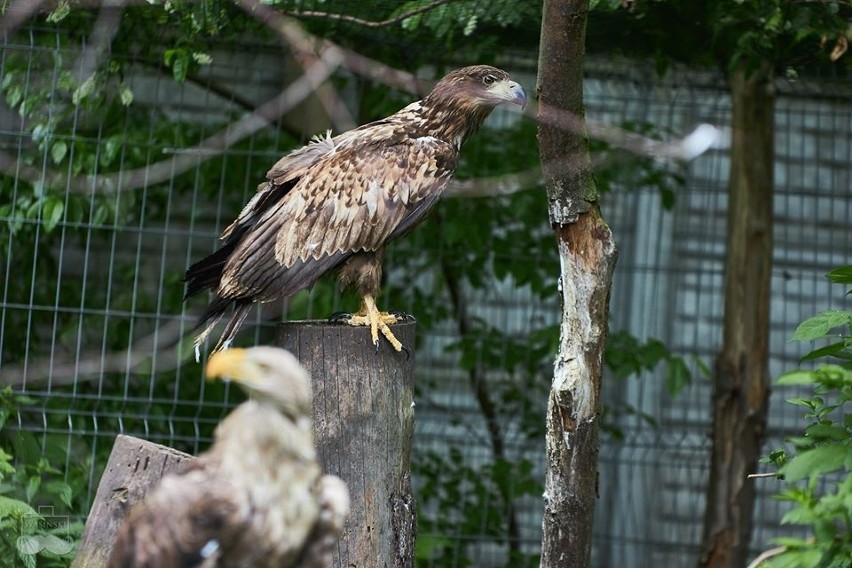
[[488, 79]]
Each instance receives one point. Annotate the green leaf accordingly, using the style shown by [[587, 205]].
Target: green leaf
[[126, 95], [33, 485], [178, 59], [842, 275], [9, 506], [61, 490], [703, 368], [839, 350], [54, 207], [826, 432], [678, 376], [83, 90], [101, 214], [819, 325], [59, 13], [202, 58], [58, 151], [796, 378], [819, 460], [14, 96]]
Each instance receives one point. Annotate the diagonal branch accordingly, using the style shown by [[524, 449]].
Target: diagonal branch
[[210, 147], [104, 31], [369, 23], [304, 49]]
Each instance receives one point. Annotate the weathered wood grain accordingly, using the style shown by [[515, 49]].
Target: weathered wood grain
[[135, 466], [363, 424]]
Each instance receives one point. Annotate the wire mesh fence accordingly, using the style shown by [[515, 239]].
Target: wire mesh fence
[[106, 203]]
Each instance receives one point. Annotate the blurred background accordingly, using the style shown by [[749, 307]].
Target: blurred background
[[131, 134]]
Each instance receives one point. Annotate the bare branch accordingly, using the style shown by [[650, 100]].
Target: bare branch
[[304, 48], [17, 14], [103, 32], [369, 23], [766, 555], [164, 341], [212, 146], [760, 475]]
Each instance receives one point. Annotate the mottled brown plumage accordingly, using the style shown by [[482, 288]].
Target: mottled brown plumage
[[337, 201], [257, 496]]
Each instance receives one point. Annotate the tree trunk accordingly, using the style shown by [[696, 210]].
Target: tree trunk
[[135, 467], [741, 396], [363, 428], [587, 258]]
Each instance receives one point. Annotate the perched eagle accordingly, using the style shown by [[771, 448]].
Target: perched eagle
[[337, 201], [257, 496]]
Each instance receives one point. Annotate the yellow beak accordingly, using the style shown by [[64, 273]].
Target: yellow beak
[[227, 364]]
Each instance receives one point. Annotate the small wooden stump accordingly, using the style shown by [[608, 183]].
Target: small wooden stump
[[363, 425], [135, 466]]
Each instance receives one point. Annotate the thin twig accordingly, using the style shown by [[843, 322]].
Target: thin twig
[[766, 555], [369, 23], [760, 475]]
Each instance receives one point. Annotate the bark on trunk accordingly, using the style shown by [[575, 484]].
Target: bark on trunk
[[363, 427], [741, 396], [135, 467], [587, 258]]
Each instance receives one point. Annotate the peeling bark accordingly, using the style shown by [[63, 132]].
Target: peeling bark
[[587, 258], [741, 394], [587, 253]]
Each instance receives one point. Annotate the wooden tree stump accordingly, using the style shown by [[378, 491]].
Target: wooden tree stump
[[363, 425], [135, 466]]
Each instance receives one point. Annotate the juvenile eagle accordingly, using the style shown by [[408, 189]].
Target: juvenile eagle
[[257, 496], [336, 201]]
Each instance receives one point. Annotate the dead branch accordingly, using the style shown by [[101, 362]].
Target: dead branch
[[303, 46], [369, 23], [210, 147], [103, 32], [17, 14], [766, 555]]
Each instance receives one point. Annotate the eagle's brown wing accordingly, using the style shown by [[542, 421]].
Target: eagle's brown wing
[[354, 198], [281, 178], [184, 522]]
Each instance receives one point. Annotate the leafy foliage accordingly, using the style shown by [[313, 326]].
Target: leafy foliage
[[727, 33], [37, 499], [822, 456]]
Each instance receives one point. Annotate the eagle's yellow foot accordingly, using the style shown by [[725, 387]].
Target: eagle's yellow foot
[[378, 321]]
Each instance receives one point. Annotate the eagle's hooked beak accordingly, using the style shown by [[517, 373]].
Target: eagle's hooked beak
[[228, 364], [517, 94]]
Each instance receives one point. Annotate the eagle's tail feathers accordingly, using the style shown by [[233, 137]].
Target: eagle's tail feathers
[[207, 272], [202, 337], [241, 310]]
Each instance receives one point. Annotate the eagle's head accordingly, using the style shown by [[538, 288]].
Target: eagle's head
[[463, 99], [478, 86], [268, 374]]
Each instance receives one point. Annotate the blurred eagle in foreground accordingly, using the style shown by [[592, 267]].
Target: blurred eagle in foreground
[[257, 497], [337, 201]]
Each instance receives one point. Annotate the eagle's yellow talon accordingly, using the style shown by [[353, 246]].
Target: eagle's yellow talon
[[378, 321]]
